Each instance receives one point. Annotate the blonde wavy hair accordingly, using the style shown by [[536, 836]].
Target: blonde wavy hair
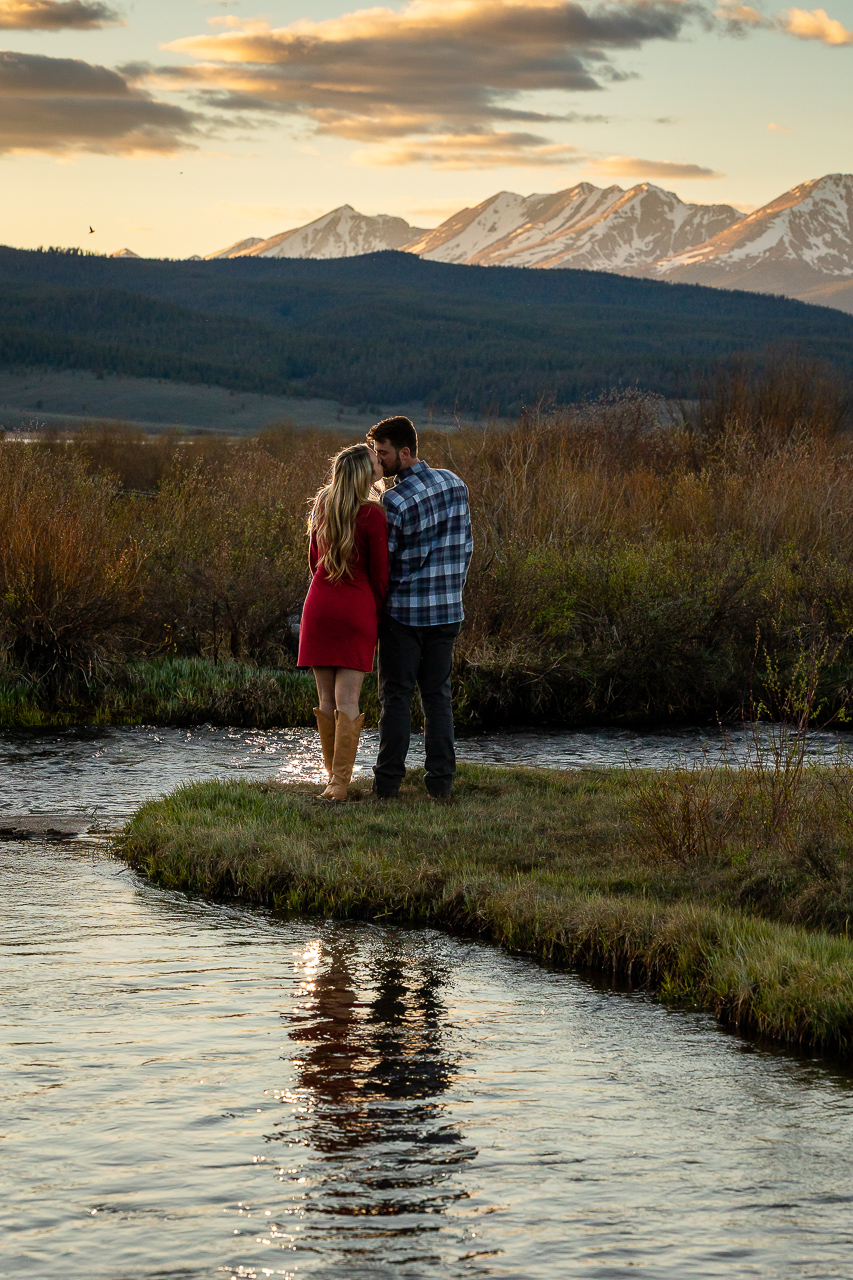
[[336, 506]]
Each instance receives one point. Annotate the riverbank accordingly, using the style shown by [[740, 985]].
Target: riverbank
[[561, 866], [171, 691]]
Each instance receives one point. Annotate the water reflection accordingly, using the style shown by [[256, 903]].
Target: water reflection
[[199, 1091], [371, 1068]]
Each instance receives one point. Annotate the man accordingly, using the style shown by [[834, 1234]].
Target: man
[[429, 548]]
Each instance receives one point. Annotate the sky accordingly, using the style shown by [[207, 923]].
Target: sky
[[176, 127]]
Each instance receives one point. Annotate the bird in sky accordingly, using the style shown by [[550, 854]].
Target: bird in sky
[[91, 231]]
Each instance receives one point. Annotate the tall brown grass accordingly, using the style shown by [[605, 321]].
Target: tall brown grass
[[626, 557], [69, 566], [775, 398]]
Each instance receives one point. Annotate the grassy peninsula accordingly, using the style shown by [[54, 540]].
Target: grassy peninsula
[[731, 890]]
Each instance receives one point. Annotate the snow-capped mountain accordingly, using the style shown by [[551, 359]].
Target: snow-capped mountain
[[800, 244], [343, 233], [811, 224], [473, 234], [584, 226]]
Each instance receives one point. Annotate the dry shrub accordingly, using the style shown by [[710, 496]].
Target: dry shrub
[[623, 558], [777, 803], [780, 722], [68, 566], [135, 459], [683, 814], [781, 397], [227, 563], [626, 561]]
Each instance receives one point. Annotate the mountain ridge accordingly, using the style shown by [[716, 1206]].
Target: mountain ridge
[[341, 233], [799, 245]]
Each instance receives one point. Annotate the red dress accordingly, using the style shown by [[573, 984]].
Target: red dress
[[340, 618]]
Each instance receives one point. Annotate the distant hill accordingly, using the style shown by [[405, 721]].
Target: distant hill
[[390, 327]]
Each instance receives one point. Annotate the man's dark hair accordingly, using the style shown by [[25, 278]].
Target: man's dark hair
[[399, 432]]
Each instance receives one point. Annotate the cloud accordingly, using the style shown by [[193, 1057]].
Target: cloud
[[449, 83], [54, 15], [632, 167], [431, 73], [805, 24], [815, 24], [737, 18], [485, 150], [778, 128], [58, 105]]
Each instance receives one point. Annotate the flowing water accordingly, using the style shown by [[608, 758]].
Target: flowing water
[[191, 1090]]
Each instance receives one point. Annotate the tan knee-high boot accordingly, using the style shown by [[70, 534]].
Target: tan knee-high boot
[[347, 733], [326, 726]]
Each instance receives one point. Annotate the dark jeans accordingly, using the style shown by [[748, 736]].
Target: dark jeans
[[410, 656]]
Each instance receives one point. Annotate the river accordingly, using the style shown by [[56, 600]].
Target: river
[[199, 1091]]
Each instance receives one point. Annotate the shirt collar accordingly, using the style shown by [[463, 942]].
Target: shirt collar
[[413, 469]]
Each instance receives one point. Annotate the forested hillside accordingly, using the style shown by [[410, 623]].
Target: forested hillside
[[389, 327]]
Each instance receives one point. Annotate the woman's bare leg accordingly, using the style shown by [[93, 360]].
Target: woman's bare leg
[[348, 691], [324, 678]]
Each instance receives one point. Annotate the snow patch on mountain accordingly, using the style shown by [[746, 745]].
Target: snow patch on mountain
[[584, 226], [810, 226], [343, 233]]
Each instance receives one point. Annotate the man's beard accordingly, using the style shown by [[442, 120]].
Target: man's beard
[[393, 470]]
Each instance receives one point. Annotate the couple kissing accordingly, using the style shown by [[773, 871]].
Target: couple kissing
[[389, 569]]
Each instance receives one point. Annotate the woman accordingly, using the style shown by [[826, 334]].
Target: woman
[[348, 556]]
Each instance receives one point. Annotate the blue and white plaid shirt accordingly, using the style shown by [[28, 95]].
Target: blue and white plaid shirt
[[429, 546]]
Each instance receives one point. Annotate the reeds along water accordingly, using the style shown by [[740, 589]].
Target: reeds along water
[[631, 564]]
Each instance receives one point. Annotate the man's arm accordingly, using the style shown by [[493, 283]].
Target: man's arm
[[464, 526], [469, 538], [392, 513]]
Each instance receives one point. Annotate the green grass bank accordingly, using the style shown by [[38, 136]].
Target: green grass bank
[[171, 691], [572, 868]]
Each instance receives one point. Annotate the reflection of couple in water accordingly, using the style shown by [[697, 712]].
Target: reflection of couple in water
[[394, 570], [372, 1072], [363, 1055]]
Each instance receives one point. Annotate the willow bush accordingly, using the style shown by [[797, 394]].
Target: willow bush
[[632, 563], [70, 565]]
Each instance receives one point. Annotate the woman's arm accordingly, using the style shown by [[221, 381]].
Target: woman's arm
[[377, 552]]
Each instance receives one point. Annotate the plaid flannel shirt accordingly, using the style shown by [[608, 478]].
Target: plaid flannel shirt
[[429, 546]]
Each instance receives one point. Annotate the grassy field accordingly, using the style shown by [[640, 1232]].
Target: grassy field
[[75, 398], [728, 890]]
